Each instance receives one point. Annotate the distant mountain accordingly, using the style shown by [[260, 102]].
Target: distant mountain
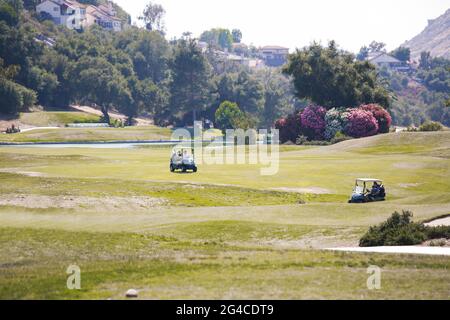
[[435, 38]]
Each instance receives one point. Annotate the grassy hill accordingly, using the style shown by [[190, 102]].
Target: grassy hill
[[226, 232]]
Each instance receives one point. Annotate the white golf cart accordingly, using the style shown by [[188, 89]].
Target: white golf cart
[[182, 159], [368, 190]]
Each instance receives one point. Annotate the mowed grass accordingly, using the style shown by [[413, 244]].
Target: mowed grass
[[56, 118], [225, 232], [168, 268], [141, 133]]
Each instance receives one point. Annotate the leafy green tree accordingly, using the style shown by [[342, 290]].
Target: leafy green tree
[[99, 82], [14, 97], [229, 116], [8, 14], [249, 93], [376, 46], [330, 77], [190, 87], [363, 53], [237, 35], [402, 53], [425, 60], [218, 38], [278, 97], [149, 52], [153, 17]]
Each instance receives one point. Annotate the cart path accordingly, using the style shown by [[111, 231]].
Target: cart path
[[438, 251], [439, 222]]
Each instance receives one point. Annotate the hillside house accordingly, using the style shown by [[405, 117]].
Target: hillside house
[[64, 12], [75, 15], [104, 16], [382, 59], [274, 56]]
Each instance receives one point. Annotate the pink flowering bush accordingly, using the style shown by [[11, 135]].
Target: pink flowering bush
[[361, 123], [289, 127], [383, 117], [313, 122]]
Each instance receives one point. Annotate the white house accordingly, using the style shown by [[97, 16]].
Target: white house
[[64, 12], [75, 15]]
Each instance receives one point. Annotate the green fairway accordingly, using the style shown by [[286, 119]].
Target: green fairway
[[142, 133], [56, 118], [225, 232]]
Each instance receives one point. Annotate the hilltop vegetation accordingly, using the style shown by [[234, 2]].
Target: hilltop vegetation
[[136, 71]]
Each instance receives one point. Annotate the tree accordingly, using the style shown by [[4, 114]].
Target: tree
[[375, 46], [249, 93], [218, 38], [8, 14], [153, 17], [425, 60], [237, 35], [402, 53], [278, 97], [15, 97], [363, 53], [148, 51], [229, 116], [332, 78], [190, 86], [98, 81]]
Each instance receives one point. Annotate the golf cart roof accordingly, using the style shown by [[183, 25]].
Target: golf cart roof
[[368, 180]]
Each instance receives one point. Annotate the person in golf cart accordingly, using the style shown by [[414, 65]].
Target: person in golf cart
[[363, 193], [182, 159]]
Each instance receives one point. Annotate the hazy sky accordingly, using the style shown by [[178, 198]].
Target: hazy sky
[[295, 23]]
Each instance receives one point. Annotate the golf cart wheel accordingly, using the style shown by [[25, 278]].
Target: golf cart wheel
[[195, 169], [172, 169]]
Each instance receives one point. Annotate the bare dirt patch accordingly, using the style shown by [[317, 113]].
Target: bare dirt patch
[[70, 202], [23, 173], [114, 115], [310, 190], [408, 165]]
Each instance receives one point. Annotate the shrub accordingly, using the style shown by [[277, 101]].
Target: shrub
[[361, 123], [301, 140], [339, 137], [313, 122], [383, 117], [397, 230], [335, 121], [431, 126], [229, 116], [400, 230], [15, 97], [289, 127]]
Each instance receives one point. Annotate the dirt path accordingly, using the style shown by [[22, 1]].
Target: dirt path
[[438, 251], [114, 115]]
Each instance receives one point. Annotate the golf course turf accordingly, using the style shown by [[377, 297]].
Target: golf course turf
[[225, 232]]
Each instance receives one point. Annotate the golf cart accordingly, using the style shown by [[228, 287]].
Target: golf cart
[[182, 159], [368, 190]]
